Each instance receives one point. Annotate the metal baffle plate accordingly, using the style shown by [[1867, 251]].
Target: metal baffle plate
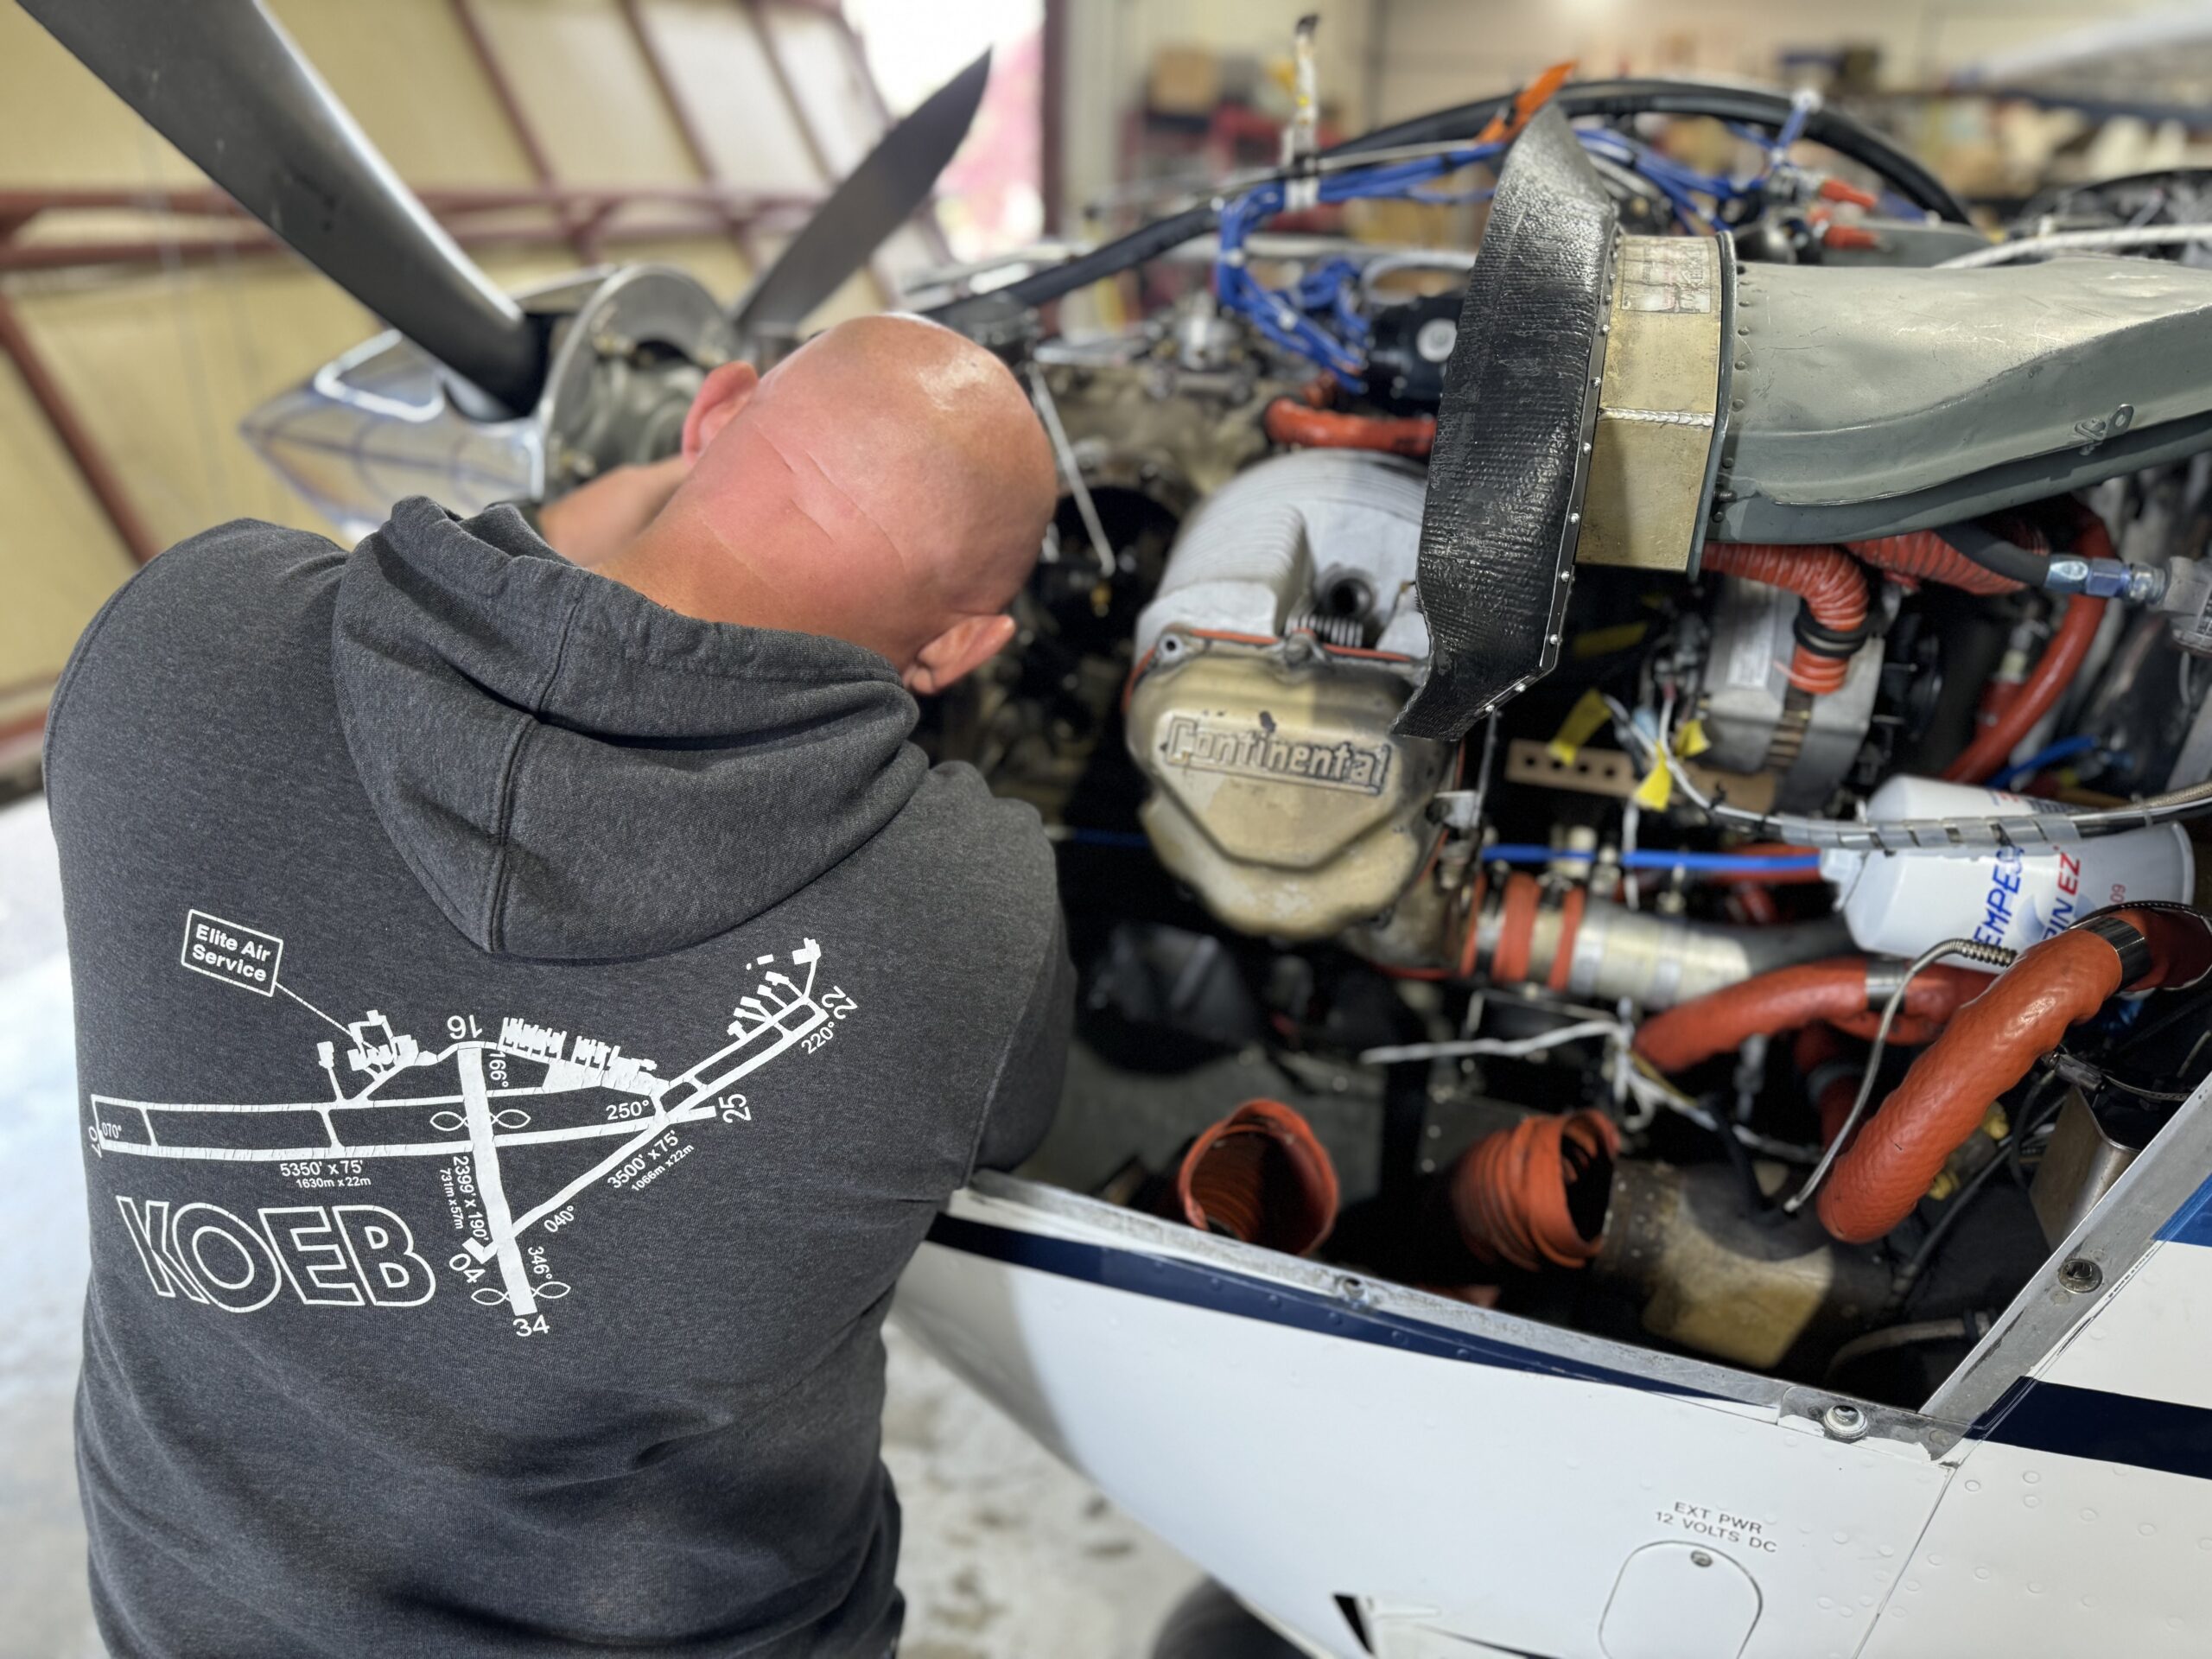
[[1506, 476], [1660, 411]]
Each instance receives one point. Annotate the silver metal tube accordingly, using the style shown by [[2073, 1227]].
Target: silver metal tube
[[1655, 961]]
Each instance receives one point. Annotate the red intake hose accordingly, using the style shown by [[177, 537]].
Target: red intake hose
[[1823, 1062], [1538, 1192], [1285, 422], [1786, 999], [1260, 1175], [1926, 556], [1833, 587], [2054, 672], [1988, 1047], [1993, 744]]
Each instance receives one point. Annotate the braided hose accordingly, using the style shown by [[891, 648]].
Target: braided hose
[[1833, 623]]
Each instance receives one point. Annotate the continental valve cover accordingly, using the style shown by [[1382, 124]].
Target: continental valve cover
[[1278, 794]]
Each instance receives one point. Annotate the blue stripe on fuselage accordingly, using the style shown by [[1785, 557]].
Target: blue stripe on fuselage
[[2104, 1427], [2192, 1222], [1194, 1285]]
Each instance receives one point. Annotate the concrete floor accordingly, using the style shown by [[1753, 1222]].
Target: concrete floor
[[1008, 1555]]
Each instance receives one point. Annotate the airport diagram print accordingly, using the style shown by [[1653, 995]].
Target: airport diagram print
[[470, 1113]]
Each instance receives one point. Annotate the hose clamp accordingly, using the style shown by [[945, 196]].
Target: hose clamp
[[2132, 967], [1826, 641], [2126, 939]]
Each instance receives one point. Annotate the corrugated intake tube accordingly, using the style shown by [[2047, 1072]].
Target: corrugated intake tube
[[1988, 1047], [1285, 422], [1834, 992], [1537, 1193], [1925, 556], [1260, 1175], [1832, 624]]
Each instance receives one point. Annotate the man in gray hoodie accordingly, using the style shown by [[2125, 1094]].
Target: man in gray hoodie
[[527, 1016]]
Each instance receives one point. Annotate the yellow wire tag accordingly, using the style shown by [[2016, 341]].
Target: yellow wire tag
[[1690, 739], [1656, 789], [1581, 724]]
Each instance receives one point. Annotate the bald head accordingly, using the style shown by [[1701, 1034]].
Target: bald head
[[888, 483]]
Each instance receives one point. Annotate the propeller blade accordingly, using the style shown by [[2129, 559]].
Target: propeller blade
[[875, 198], [222, 82]]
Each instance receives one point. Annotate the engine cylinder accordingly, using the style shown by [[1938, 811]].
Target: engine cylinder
[[1284, 639]]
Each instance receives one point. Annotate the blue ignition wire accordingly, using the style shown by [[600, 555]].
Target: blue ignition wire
[[1529, 853], [1288, 319], [1649, 858], [2065, 749], [1281, 317]]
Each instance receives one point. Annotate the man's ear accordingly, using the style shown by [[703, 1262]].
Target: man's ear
[[725, 391], [960, 650]]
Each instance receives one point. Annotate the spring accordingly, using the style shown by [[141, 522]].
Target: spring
[[1328, 628], [1992, 956]]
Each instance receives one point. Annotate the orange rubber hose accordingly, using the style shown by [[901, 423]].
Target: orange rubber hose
[[1516, 929], [1514, 1194], [1821, 1049], [1261, 1175], [1571, 907], [1993, 744], [1832, 585], [1788, 999], [1987, 1048], [1926, 556], [1287, 422]]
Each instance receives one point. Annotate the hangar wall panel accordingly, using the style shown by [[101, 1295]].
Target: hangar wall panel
[[720, 68], [403, 68], [161, 358], [58, 556]]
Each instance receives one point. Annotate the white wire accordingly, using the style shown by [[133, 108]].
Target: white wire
[[1502, 1047], [2031, 247]]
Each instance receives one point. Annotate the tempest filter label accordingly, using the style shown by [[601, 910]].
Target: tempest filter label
[[1265, 752]]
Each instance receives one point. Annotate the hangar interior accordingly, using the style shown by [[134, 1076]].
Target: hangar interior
[[1497, 924]]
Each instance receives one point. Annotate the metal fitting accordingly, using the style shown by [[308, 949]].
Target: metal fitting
[[2138, 584], [1844, 1422]]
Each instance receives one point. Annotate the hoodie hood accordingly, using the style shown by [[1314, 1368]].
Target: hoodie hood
[[573, 771]]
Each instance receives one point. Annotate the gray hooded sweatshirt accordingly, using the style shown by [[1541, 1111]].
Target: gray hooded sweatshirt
[[522, 1033]]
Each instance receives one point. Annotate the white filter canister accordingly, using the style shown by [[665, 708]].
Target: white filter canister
[[1899, 904]]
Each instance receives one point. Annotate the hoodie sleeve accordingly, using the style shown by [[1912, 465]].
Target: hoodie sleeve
[[1026, 1090]]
